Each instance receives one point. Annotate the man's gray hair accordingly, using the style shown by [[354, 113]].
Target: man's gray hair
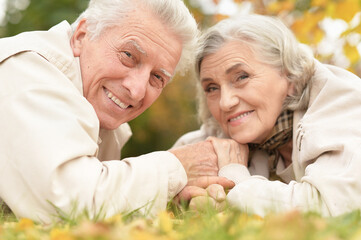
[[272, 43], [102, 14]]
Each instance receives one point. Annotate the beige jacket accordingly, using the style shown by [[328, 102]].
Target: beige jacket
[[325, 173], [52, 152]]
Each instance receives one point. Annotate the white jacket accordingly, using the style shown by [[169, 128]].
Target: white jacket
[[52, 152], [325, 173]]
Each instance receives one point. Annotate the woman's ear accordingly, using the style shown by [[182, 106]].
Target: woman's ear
[[79, 37]]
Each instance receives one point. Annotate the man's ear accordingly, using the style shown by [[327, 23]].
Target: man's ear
[[79, 37]]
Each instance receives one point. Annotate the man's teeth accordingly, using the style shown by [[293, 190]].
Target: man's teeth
[[116, 100], [239, 116]]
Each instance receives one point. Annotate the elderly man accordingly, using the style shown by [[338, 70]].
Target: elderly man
[[65, 97]]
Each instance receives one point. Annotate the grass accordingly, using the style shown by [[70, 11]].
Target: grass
[[186, 225]]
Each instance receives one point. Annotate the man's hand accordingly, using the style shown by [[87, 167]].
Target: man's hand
[[197, 159]]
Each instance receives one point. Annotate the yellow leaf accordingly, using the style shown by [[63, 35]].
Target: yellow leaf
[[165, 222], [346, 9], [357, 235], [60, 234], [356, 29], [318, 35], [115, 219], [319, 3], [307, 28], [280, 6], [330, 9], [351, 53], [143, 235], [24, 223]]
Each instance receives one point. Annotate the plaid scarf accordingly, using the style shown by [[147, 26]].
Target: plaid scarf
[[280, 135]]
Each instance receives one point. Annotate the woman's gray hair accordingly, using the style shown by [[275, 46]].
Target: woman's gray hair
[[272, 42], [102, 14]]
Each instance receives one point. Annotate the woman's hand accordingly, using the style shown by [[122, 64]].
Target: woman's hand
[[201, 199], [229, 151]]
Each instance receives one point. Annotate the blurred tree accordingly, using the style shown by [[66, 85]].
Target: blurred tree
[[26, 15], [174, 113]]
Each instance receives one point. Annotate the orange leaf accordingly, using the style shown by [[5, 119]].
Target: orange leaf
[[219, 17]]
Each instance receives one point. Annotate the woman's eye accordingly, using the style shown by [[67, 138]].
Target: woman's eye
[[209, 89], [242, 76]]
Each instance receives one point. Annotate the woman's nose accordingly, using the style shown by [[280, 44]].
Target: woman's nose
[[228, 98]]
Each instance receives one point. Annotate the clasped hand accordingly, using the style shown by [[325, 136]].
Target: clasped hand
[[202, 161]]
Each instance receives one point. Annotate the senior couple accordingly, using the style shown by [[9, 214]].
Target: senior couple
[[269, 111]]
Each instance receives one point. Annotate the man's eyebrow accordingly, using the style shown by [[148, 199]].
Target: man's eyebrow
[[233, 67], [165, 72], [139, 48]]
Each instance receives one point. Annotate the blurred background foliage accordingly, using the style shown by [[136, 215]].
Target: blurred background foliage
[[331, 28]]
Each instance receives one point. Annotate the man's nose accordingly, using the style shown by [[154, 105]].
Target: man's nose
[[136, 83]]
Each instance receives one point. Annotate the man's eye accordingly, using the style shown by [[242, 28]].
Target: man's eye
[[157, 81], [128, 54], [127, 59]]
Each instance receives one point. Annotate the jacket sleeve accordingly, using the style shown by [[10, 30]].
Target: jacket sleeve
[[48, 149]]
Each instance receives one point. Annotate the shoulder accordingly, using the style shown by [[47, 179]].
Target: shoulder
[[52, 45], [193, 137]]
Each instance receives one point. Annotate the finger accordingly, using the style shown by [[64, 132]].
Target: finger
[[203, 169], [190, 192], [221, 206], [217, 192], [202, 203], [205, 181], [222, 149]]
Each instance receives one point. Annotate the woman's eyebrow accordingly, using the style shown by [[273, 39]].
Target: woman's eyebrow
[[206, 80], [229, 70]]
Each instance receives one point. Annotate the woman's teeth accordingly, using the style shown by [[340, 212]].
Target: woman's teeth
[[239, 116]]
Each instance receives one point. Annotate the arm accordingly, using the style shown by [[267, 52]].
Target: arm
[[330, 186], [48, 150]]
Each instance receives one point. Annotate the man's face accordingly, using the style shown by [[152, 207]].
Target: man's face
[[125, 69]]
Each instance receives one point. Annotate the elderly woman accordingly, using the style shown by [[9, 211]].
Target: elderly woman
[[299, 118]]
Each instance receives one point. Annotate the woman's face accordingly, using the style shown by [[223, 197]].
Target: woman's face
[[244, 94]]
